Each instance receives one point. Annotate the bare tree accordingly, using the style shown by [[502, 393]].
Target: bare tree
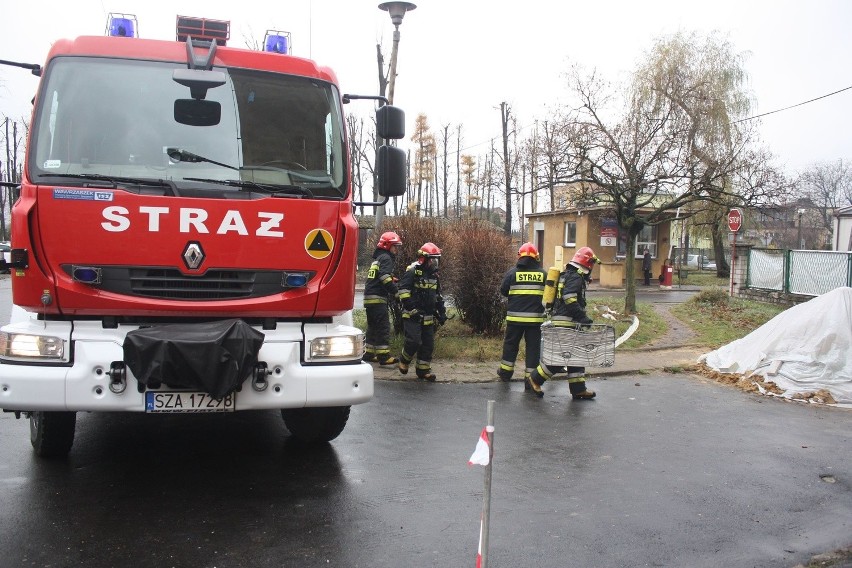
[[458, 170], [445, 169], [424, 157], [361, 148], [828, 186], [467, 169], [551, 150]]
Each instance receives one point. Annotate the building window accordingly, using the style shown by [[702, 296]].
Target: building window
[[570, 233], [647, 238]]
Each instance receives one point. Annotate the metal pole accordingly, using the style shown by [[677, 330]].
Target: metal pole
[[733, 262], [380, 210], [486, 501]]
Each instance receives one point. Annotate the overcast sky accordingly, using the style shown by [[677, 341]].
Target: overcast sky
[[459, 59]]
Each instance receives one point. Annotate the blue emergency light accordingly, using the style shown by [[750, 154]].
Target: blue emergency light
[[121, 25], [277, 42]]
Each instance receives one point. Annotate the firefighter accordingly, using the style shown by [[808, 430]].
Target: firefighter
[[569, 309], [379, 287], [422, 308], [523, 285]]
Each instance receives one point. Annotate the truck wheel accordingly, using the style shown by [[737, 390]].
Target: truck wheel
[[315, 425], [52, 433]]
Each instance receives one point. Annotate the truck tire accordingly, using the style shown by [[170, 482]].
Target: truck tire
[[52, 433], [315, 425]]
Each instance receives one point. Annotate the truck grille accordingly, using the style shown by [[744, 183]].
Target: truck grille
[[171, 284], [213, 285]]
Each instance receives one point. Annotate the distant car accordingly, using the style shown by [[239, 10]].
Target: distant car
[[6, 249], [700, 261]]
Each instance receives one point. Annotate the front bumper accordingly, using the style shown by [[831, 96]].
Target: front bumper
[[83, 384]]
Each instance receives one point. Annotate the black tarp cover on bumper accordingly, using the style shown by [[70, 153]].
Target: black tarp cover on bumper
[[211, 357]]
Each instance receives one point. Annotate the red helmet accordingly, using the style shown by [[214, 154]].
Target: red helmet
[[429, 250], [585, 257], [388, 240], [528, 249]]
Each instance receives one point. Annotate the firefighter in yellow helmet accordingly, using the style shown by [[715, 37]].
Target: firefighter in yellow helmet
[[423, 308], [379, 287], [523, 285], [569, 309]]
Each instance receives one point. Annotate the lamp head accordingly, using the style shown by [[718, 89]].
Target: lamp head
[[397, 10]]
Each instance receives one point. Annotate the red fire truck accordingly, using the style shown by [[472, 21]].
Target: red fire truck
[[184, 240]]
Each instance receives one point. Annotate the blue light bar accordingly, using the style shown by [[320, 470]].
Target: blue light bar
[[277, 42], [121, 25], [295, 279], [86, 274]]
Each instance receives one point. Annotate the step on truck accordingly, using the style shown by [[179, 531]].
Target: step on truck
[[184, 238]]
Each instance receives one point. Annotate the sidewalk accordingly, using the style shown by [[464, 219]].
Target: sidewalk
[[628, 362], [669, 353]]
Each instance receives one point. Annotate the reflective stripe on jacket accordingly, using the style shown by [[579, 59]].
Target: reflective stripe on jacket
[[570, 304], [523, 285], [380, 284]]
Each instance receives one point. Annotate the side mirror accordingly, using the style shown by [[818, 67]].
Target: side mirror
[[390, 122], [391, 170], [197, 112]]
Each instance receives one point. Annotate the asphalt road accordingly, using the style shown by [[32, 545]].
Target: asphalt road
[[659, 470]]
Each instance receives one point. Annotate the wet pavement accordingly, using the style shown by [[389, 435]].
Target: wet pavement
[[659, 470], [662, 469]]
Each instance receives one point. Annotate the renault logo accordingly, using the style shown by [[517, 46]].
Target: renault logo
[[193, 255]]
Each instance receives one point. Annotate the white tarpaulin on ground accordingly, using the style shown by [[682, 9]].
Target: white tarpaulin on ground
[[803, 349]]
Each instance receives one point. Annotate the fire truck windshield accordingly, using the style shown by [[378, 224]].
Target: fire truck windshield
[[117, 118]]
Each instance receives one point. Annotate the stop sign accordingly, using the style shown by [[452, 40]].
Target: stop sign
[[735, 219]]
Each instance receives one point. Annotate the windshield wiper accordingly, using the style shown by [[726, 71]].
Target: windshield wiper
[[181, 155], [273, 189], [114, 181]]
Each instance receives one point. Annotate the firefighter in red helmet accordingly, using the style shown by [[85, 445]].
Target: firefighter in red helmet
[[523, 285], [379, 287], [569, 309], [423, 308]]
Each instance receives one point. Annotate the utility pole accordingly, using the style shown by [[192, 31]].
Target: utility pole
[[504, 116]]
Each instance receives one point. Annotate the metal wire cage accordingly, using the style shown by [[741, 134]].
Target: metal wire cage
[[591, 345]]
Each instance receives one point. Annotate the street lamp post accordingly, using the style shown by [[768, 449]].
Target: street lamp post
[[397, 11]]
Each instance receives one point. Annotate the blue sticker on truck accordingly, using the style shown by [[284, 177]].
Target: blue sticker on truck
[[82, 194]]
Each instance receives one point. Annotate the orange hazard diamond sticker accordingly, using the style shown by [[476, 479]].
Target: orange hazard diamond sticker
[[319, 244]]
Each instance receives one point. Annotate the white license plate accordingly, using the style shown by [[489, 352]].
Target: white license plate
[[177, 401]]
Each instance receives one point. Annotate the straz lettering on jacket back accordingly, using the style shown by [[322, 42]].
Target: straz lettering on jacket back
[[529, 277]]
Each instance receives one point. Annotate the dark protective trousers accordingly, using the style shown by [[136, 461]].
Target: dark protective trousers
[[419, 342], [378, 331], [576, 376], [531, 335]]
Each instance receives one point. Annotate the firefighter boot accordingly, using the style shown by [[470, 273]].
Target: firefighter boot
[[584, 395], [532, 383], [579, 391], [504, 374], [391, 360], [426, 376], [403, 367], [370, 358]]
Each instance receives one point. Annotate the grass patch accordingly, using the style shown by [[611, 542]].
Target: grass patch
[[651, 325], [702, 278], [718, 319], [455, 340]]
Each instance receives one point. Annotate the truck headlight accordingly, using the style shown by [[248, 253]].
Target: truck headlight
[[26, 347], [336, 348]]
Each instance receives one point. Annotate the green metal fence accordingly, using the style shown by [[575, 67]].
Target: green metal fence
[[805, 272]]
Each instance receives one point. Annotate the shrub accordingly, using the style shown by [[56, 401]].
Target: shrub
[[478, 256], [474, 257]]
